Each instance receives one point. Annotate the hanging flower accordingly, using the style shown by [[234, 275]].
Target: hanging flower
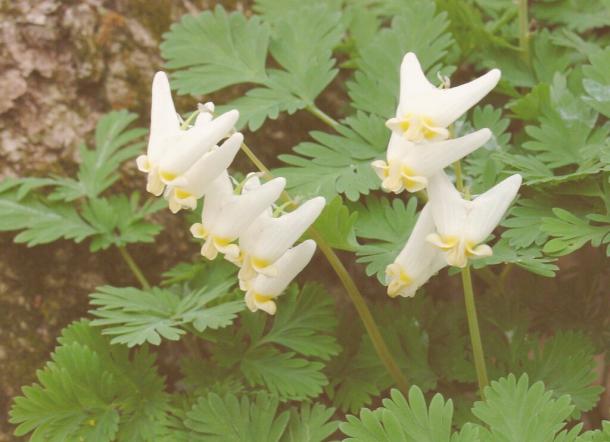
[[424, 111], [172, 150], [418, 260], [263, 289], [226, 215], [410, 165], [269, 237], [192, 185], [462, 225]]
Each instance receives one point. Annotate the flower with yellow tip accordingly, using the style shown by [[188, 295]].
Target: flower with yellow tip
[[424, 111], [417, 261], [410, 165], [192, 185], [263, 289], [226, 215], [172, 149], [462, 225], [269, 237]]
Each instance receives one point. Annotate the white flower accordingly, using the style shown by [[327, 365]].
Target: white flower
[[171, 151], [461, 225], [226, 215], [268, 238], [192, 185], [263, 289], [418, 260], [409, 165], [424, 111]]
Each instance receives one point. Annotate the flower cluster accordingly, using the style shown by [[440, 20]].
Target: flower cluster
[[450, 229], [188, 160]]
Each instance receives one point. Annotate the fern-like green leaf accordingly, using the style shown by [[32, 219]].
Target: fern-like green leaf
[[403, 421], [136, 316], [40, 222], [516, 412], [93, 391], [229, 419], [340, 163]]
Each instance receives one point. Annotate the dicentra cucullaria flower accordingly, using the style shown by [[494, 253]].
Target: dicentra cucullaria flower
[[424, 111], [419, 145], [186, 163], [263, 289], [450, 229], [409, 166], [418, 260], [269, 237], [226, 215], [172, 149], [462, 225]]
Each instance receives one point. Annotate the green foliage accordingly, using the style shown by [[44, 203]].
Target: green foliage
[[74, 209], [114, 144], [339, 163], [93, 391], [359, 375], [119, 220], [283, 355], [403, 421], [134, 316], [513, 411], [570, 232], [230, 419], [336, 225], [566, 366], [418, 28], [597, 82], [40, 221], [218, 49], [243, 376]]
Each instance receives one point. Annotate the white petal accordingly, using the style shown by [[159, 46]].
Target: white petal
[[238, 212], [193, 144], [399, 147], [217, 193], [454, 102], [413, 81], [164, 121], [210, 165], [288, 267], [489, 208], [449, 210], [435, 156], [418, 254], [444, 106], [268, 238]]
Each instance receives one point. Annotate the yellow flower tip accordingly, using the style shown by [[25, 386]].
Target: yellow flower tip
[[167, 177], [417, 128], [182, 194], [259, 263], [399, 280]]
